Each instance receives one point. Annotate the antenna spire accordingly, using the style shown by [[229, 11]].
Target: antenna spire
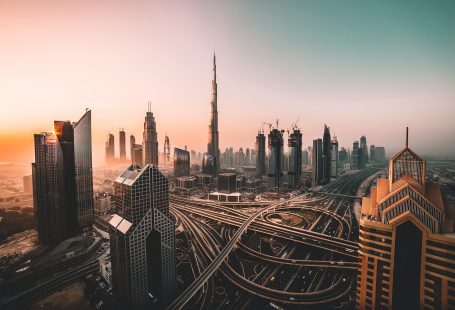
[[407, 136]]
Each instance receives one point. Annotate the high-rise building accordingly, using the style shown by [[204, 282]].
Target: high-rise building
[[150, 140], [62, 181], [295, 157], [364, 147], [361, 158], [406, 251], [316, 163], [132, 143], [209, 164], [110, 148], [372, 152], [213, 147], [260, 157], [355, 155], [380, 153], [326, 155], [305, 158], [136, 154], [310, 154], [343, 156], [247, 157], [122, 141], [335, 158], [142, 238], [167, 149], [276, 157], [181, 162], [227, 183]]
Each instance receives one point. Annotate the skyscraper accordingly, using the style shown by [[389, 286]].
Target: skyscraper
[[142, 237], [167, 149], [181, 162], [132, 143], [364, 147], [380, 153], [406, 259], [276, 157], [122, 141], [355, 156], [335, 158], [213, 144], [372, 152], [260, 157], [295, 157], [316, 163], [150, 139], [62, 181], [110, 148], [326, 155]]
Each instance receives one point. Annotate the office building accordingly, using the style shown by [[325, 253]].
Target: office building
[[260, 155], [380, 154], [364, 147], [167, 149], [276, 157], [316, 163], [372, 153], [209, 164], [343, 156], [355, 156], [213, 148], [407, 246], [150, 139], [132, 143], [136, 154], [326, 155], [62, 181], [181, 162], [122, 141], [335, 158], [110, 148], [227, 183], [295, 157], [142, 238]]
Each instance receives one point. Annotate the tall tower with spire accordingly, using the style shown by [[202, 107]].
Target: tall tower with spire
[[213, 144], [150, 139]]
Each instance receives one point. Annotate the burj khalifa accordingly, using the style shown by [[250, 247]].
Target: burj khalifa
[[211, 161]]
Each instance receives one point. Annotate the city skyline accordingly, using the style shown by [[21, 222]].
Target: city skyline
[[69, 62]]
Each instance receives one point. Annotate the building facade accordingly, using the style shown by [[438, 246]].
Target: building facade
[[122, 144], [406, 253], [316, 163], [150, 140], [276, 158], [181, 162], [335, 158], [295, 157], [326, 155], [142, 237], [213, 147], [63, 181]]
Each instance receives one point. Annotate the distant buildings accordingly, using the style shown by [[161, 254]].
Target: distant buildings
[[213, 148], [316, 163], [355, 156], [110, 149], [326, 155], [372, 152], [132, 143], [122, 139], [181, 162], [305, 158], [335, 158], [167, 149], [136, 154], [209, 164], [406, 259], [364, 147], [142, 237], [343, 156], [276, 157], [295, 157], [63, 181], [379, 154], [150, 140]]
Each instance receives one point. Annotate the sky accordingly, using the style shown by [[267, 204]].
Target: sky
[[361, 67]]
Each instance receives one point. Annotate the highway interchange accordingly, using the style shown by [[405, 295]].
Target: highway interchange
[[288, 253]]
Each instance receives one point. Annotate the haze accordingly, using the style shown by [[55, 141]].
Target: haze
[[362, 68]]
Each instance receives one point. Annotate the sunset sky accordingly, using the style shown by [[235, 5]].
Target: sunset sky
[[361, 67]]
